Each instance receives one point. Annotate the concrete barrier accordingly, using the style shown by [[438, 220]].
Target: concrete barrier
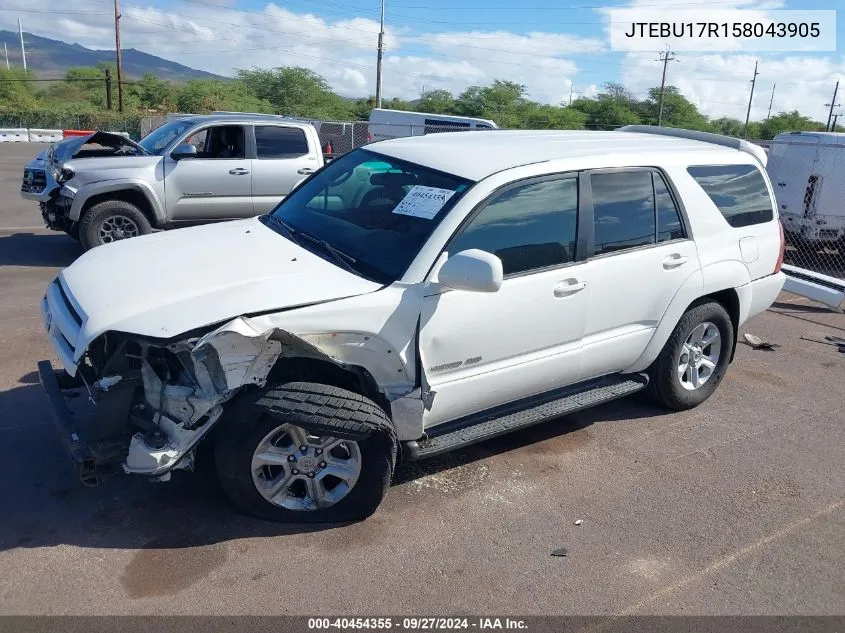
[[45, 136], [14, 135]]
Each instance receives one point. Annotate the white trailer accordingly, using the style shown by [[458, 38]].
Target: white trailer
[[807, 170], [385, 124]]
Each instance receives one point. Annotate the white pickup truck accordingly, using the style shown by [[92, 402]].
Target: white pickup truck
[[412, 297], [104, 187]]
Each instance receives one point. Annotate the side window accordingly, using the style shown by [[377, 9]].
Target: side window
[[739, 191], [669, 226], [623, 210], [221, 141], [273, 141], [528, 227], [198, 140]]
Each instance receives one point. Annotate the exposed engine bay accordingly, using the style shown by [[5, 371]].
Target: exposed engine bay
[[145, 403]]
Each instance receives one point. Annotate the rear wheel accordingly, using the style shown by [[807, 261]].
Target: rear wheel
[[111, 221], [307, 453], [694, 359]]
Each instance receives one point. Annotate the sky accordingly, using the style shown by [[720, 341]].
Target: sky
[[556, 48]]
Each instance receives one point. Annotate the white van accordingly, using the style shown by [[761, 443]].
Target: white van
[[385, 124], [807, 170]]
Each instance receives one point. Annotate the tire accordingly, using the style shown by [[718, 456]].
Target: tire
[[111, 220], [265, 426], [666, 383]]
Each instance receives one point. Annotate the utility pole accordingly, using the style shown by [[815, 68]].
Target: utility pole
[[832, 104], [6, 51], [835, 117], [665, 57], [570, 93], [750, 98], [119, 57], [771, 101], [380, 55], [23, 48], [108, 89]]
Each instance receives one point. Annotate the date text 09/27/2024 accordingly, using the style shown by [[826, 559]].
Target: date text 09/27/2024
[[416, 624], [722, 29]]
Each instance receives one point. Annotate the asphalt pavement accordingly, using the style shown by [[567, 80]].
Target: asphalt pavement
[[736, 507]]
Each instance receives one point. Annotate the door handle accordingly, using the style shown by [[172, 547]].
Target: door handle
[[674, 261], [564, 289], [304, 171], [238, 171]]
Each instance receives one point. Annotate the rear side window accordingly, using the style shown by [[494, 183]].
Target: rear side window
[[528, 227], [669, 225], [739, 191], [623, 210], [273, 141]]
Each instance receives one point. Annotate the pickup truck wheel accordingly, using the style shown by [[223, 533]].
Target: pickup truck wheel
[[694, 359], [110, 221], [310, 453]]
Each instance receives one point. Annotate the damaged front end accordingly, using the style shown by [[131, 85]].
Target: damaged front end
[[145, 403]]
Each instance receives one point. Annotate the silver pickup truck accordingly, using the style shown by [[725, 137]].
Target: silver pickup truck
[[105, 187]]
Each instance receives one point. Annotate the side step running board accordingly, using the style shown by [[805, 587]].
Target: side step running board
[[519, 415]]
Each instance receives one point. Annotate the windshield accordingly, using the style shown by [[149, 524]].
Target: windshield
[[374, 211], [157, 141]]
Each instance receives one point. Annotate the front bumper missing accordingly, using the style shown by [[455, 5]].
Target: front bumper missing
[[86, 430], [56, 212]]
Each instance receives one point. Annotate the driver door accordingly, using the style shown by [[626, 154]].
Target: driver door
[[480, 350], [214, 185]]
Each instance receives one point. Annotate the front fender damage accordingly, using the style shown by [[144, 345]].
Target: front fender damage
[[186, 383]]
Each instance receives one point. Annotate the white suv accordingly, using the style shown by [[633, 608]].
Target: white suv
[[412, 297]]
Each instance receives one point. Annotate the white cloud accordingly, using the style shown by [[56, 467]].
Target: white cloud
[[222, 39], [720, 84]]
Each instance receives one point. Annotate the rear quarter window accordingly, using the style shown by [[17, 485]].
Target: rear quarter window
[[738, 191]]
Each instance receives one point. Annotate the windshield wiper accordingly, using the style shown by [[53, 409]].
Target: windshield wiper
[[287, 228], [344, 259]]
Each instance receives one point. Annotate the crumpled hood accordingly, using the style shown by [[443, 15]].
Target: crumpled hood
[[167, 283], [66, 149]]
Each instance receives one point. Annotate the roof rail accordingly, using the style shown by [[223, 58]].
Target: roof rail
[[706, 137]]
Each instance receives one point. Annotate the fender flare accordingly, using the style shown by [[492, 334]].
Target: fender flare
[[86, 192]]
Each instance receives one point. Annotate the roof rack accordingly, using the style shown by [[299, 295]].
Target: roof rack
[[706, 137]]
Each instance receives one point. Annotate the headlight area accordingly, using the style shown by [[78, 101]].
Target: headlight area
[[143, 403], [65, 174]]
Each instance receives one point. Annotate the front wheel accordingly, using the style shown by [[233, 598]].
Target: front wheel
[[307, 453], [111, 221], [694, 359]]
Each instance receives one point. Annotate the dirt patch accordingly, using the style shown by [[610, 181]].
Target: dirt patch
[[742, 374]]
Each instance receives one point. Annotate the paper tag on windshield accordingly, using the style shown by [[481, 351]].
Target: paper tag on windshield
[[423, 202]]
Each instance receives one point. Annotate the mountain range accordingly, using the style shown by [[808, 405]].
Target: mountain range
[[51, 59]]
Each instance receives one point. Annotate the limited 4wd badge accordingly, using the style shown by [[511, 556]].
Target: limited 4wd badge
[[423, 202]]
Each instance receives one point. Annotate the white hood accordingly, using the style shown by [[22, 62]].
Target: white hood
[[164, 284]]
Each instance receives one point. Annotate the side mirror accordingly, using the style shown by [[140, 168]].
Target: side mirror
[[473, 270], [185, 150]]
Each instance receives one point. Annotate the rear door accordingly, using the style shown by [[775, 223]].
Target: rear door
[[284, 155], [640, 256], [213, 185]]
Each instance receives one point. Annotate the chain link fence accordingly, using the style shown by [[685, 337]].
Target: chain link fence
[[808, 176]]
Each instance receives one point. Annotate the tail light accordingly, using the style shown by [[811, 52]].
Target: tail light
[[782, 248]]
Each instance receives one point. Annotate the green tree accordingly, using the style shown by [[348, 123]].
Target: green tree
[[436, 102], [205, 95], [678, 111], [789, 122], [295, 91], [153, 93], [15, 91]]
